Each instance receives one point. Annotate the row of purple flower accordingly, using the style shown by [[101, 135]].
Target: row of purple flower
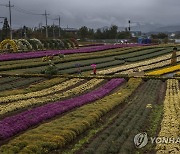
[[12, 125], [37, 54]]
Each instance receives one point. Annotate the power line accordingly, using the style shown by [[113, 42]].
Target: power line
[[25, 11], [50, 18], [38, 14], [59, 19], [30, 13]]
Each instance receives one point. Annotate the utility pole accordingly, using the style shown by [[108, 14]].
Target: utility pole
[[10, 22], [59, 19], [53, 31], [59, 26], [40, 27], [25, 32], [46, 23]]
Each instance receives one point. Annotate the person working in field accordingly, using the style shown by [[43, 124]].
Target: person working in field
[[94, 71], [174, 57]]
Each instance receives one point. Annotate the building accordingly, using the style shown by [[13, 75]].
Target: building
[[70, 30]]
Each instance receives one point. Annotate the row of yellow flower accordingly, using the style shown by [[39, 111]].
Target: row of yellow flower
[[57, 133], [170, 125], [40, 93], [13, 106], [165, 70], [138, 64]]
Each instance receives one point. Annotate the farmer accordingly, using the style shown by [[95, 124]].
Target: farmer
[[174, 57], [94, 70]]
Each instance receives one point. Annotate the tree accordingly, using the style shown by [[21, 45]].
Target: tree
[[91, 33], [124, 35], [83, 32], [5, 29], [113, 32], [98, 34], [159, 36]]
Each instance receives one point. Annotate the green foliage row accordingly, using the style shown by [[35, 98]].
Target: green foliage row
[[140, 53], [148, 56], [4, 80], [34, 87], [18, 83], [154, 125]]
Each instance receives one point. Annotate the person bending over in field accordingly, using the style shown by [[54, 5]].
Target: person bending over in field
[[174, 57]]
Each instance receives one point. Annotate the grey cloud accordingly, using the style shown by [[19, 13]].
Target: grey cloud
[[95, 13]]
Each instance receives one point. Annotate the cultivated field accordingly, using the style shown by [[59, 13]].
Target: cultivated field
[[51, 102]]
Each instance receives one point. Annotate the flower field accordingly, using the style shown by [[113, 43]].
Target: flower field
[[51, 101], [165, 70], [170, 124]]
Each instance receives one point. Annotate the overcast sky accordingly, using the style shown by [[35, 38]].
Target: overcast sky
[[93, 13]]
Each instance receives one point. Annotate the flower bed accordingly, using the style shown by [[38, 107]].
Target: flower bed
[[148, 67], [98, 57], [20, 122], [41, 93], [165, 70], [117, 137], [61, 131], [178, 74], [18, 83], [5, 80], [170, 124], [17, 105], [37, 54], [138, 64]]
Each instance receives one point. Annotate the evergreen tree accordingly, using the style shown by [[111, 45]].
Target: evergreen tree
[[83, 32], [5, 29]]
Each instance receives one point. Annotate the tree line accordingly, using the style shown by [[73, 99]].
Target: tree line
[[107, 33], [83, 33]]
